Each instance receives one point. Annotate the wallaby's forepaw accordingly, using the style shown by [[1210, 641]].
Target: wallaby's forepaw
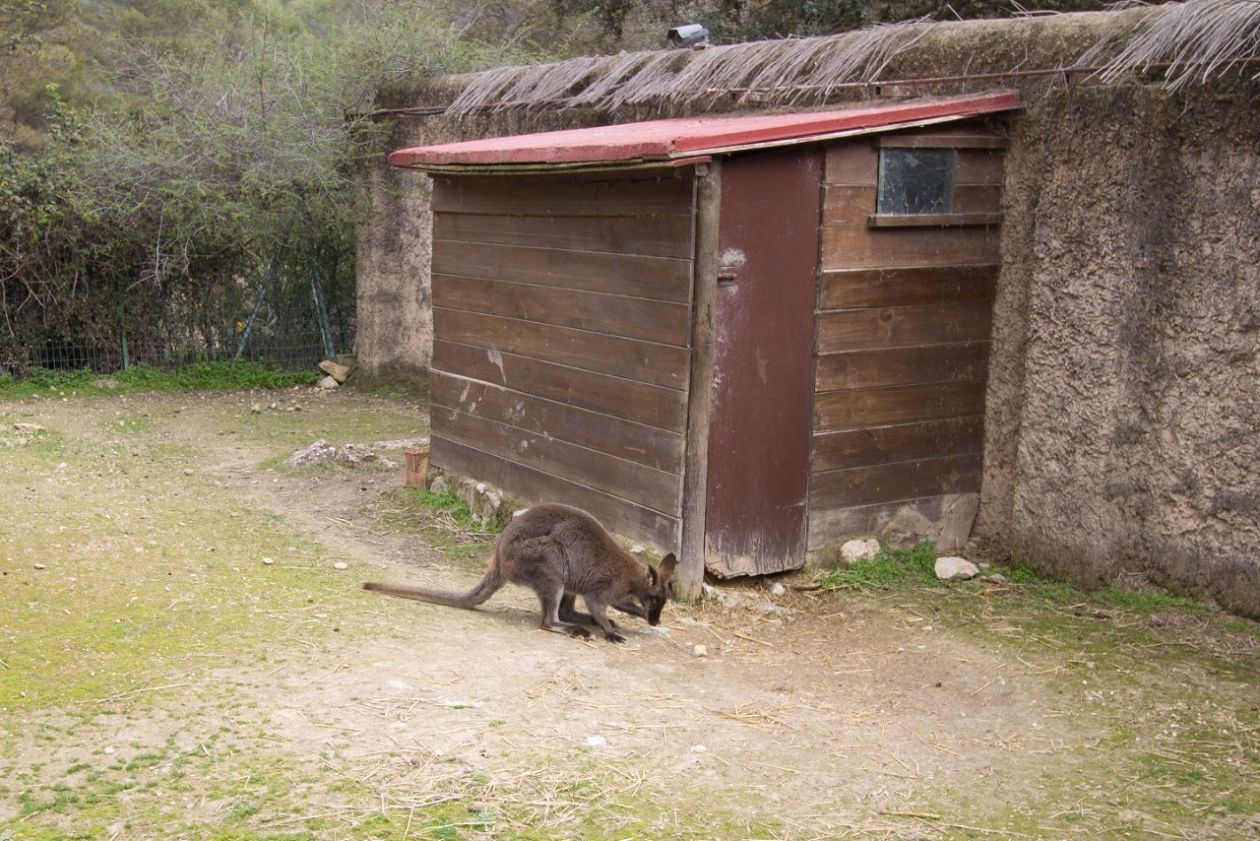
[[578, 632], [613, 636]]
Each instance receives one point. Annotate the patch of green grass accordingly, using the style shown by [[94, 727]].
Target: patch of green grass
[[446, 501], [1147, 601], [201, 376], [443, 519], [890, 568]]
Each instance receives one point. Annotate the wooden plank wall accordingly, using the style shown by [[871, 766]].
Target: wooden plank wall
[[561, 333], [902, 339]]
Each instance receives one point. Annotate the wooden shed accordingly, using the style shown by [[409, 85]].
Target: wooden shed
[[734, 337]]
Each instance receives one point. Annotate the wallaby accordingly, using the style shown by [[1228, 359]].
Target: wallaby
[[561, 553]]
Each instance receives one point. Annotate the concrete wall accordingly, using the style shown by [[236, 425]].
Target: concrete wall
[[1123, 409]]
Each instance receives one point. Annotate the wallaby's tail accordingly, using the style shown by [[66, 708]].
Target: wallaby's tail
[[484, 590]]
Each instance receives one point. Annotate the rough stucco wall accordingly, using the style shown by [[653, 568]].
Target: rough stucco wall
[[1126, 387], [395, 317]]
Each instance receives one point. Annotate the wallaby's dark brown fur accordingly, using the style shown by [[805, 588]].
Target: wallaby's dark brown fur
[[561, 553]]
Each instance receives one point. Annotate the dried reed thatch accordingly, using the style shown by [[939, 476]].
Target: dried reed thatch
[[805, 68], [1194, 41]]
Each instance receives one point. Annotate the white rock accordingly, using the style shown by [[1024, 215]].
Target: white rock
[[341, 565], [699, 651], [859, 550], [954, 567], [698, 749], [778, 589], [637, 549], [321, 452], [268, 561], [27, 427], [597, 741], [327, 383], [40, 566], [336, 371]]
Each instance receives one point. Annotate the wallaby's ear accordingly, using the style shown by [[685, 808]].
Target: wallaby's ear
[[651, 576], [666, 567]]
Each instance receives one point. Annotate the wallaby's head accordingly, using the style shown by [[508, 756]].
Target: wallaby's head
[[658, 588]]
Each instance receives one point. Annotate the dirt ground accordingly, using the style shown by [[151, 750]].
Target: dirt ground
[[180, 657]]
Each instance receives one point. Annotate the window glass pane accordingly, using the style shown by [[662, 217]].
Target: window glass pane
[[916, 181]]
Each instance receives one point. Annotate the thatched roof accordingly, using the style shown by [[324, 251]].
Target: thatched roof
[[1193, 40]]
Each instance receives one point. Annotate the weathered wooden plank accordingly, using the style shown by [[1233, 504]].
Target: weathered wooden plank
[[897, 481], [835, 410], [617, 515], [924, 220], [977, 198], [635, 360], [906, 286], [827, 524], [852, 162], [978, 167], [663, 322], [638, 483], [660, 278], [571, 195], [649, 236], [884, 327], [664, 408], [624, 439], [943, 140], [848, 204], [690, 574], [901, 442], [967, 362], [857, 246]]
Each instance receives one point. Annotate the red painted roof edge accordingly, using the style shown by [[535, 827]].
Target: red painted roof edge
[[662, 140]]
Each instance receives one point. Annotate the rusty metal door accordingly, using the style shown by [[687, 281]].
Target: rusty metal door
[[760, 418]]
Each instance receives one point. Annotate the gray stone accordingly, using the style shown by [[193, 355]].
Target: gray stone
[[995, 578], [327, 383], [907, 528], [355, 455], [954, 567], [778, 589], [958, 515]]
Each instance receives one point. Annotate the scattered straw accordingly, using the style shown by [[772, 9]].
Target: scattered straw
[[751, 638]]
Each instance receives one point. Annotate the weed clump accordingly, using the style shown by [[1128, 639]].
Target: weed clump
[[891, 567]]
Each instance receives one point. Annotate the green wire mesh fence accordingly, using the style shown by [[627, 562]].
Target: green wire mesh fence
[[290, 319]]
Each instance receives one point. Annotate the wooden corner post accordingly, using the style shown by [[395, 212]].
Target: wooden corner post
[[700, 390]]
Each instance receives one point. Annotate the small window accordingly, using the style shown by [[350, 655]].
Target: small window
[[916, 181]]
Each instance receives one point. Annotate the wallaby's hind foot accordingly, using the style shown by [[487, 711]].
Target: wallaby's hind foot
[[553, 601], [575, 631]]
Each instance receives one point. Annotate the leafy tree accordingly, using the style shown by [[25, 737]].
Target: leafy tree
[[197, 138]]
